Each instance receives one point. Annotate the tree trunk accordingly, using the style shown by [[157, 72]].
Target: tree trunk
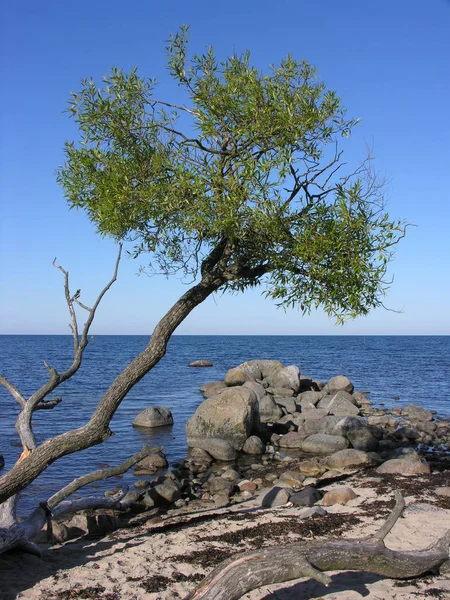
[[97, 429]]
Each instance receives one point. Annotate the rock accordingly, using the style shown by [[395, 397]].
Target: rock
[[197, 457], [219, 484], [310, 397], [406, 454], [219, 449], [276, 496], [230, 474], [425, 427], [151, 463], [443, 491], [292, 439], [155, 416], [358, 434], [141, 484], [288, 377], [290, 479], [257, 388], [338, 383], [287, 403], [211, 388], [349, 459], [254, 445], [404, 467], [417, 413], [236, 376], [383, 420], [165, 492], [247, 485], [407, 433], [306, 513], [265, 367], [269, 411], [221, 500], [228, 416], [322, 443], [311, 468], [201, 363], [340, 495], [306, 497], [339, 404]]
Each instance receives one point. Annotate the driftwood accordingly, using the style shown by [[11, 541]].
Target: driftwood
[[250, 570]]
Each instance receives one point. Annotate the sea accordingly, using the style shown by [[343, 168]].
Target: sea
[[396, 370]]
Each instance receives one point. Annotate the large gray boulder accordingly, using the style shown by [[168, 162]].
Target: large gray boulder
[[269, 411], [211, 388], [340, 403], [288, 377], [322, 443], [261, 368], [417, 413], [288, 404], [236, 376], [155, 416], [355, 429], [349, 459], [254, 445], [255, 387], [219, 449], [150, 464], [401, 466], [339, 383], [229, 416]]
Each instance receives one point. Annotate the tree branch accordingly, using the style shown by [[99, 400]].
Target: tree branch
[[13, 391]]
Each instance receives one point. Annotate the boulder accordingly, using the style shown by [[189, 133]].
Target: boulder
[[276, 496], [402, 466], [287, 377], [339, 383], [228, 416], [150, 464], [306, 497], [322, 443], [349, 459], [310, 397], [211, 388], [287, 403], [339, 403], [325, 424], [280, 392], [218, 448], [164, 492], [257, 388], [231, 474], [417, 413], [269, 411], [201, 363], [236, 376], [405, 453], [290, 479], [425, 427], [220, 484], [254, 445], [198, 460], [311, 468], [293, 439], [358, 434], [247, 486], [340, 495], [263, 367], [155, 416]]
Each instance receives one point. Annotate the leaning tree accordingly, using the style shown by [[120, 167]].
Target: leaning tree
[[239, 183]]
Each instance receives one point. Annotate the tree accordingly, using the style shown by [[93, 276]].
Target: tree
[[241, 185]]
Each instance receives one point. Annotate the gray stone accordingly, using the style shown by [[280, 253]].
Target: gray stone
[[218, 448], [166, 492], [229, 416], [269, 411], [283, 392], [417, 413], [425, 427], [201, 363], [338, 383], [339, 403], [155, 416], [150, 464], [276, 496], [288, 377], [257, 388], [265, 367], [306, 513], [349, 459], [230, 474], [306, 497], [293, 439], [404, 467], [287, 403], [322, 443], [309, 397], [254, 445], [236, 376], [211, 388], [219, 484], [405, 453], [358, 434]]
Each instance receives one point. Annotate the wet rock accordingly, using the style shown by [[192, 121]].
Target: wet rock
[[306, 497], [151, 464], [322, 443], [340, 495], [404, 467], [198, 460], [141, 484], [201, 363], [276, 496], [155, 416], [218, 448], [254, 445], [349, 459], [338, 383]]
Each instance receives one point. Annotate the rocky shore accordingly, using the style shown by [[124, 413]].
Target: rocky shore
[[273, 456]]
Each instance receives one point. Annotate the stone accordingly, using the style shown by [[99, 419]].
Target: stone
[[293, 439], [221, 500], [357, 432], [247, 485], [269, 411], [383, 420], [309, 397], [306, 513], [151, 463], [425, 427], [283, 392], [228, 416], [166, 492], [256, 387], [311, 468], [405, 453], [338, 383], [287, 377], [443, 491], [349, 459], [306, 497], [254, 445], [323, 425], [211, 388], [339, 403], [219, 484], [230, 474], [201, 363], [141, 484], [265, 367], [340, 495], [276, 496], [287, 403], [236, 376], [155, 416], [290, 479], [407, 433], [404, 467], [322, 443], [218, 448], [417, 413]]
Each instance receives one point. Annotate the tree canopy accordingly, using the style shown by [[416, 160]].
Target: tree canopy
[[244, 176]]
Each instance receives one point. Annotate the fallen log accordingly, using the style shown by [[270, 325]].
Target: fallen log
[[247, 571]]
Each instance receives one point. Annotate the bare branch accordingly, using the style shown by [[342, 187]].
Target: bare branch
[[393, 517], [12, 390], [99, 475], [49, 404]]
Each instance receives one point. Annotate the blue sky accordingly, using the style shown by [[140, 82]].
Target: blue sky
[[388, 61]]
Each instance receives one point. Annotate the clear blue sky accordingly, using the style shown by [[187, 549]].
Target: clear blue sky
[[388, 61]]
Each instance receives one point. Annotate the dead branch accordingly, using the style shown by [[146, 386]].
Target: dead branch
[[250, 570], [12, 390]]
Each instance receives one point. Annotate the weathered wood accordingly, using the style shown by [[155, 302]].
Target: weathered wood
[[250, 570]]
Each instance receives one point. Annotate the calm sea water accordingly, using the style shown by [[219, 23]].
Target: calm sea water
[[415, 369]]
